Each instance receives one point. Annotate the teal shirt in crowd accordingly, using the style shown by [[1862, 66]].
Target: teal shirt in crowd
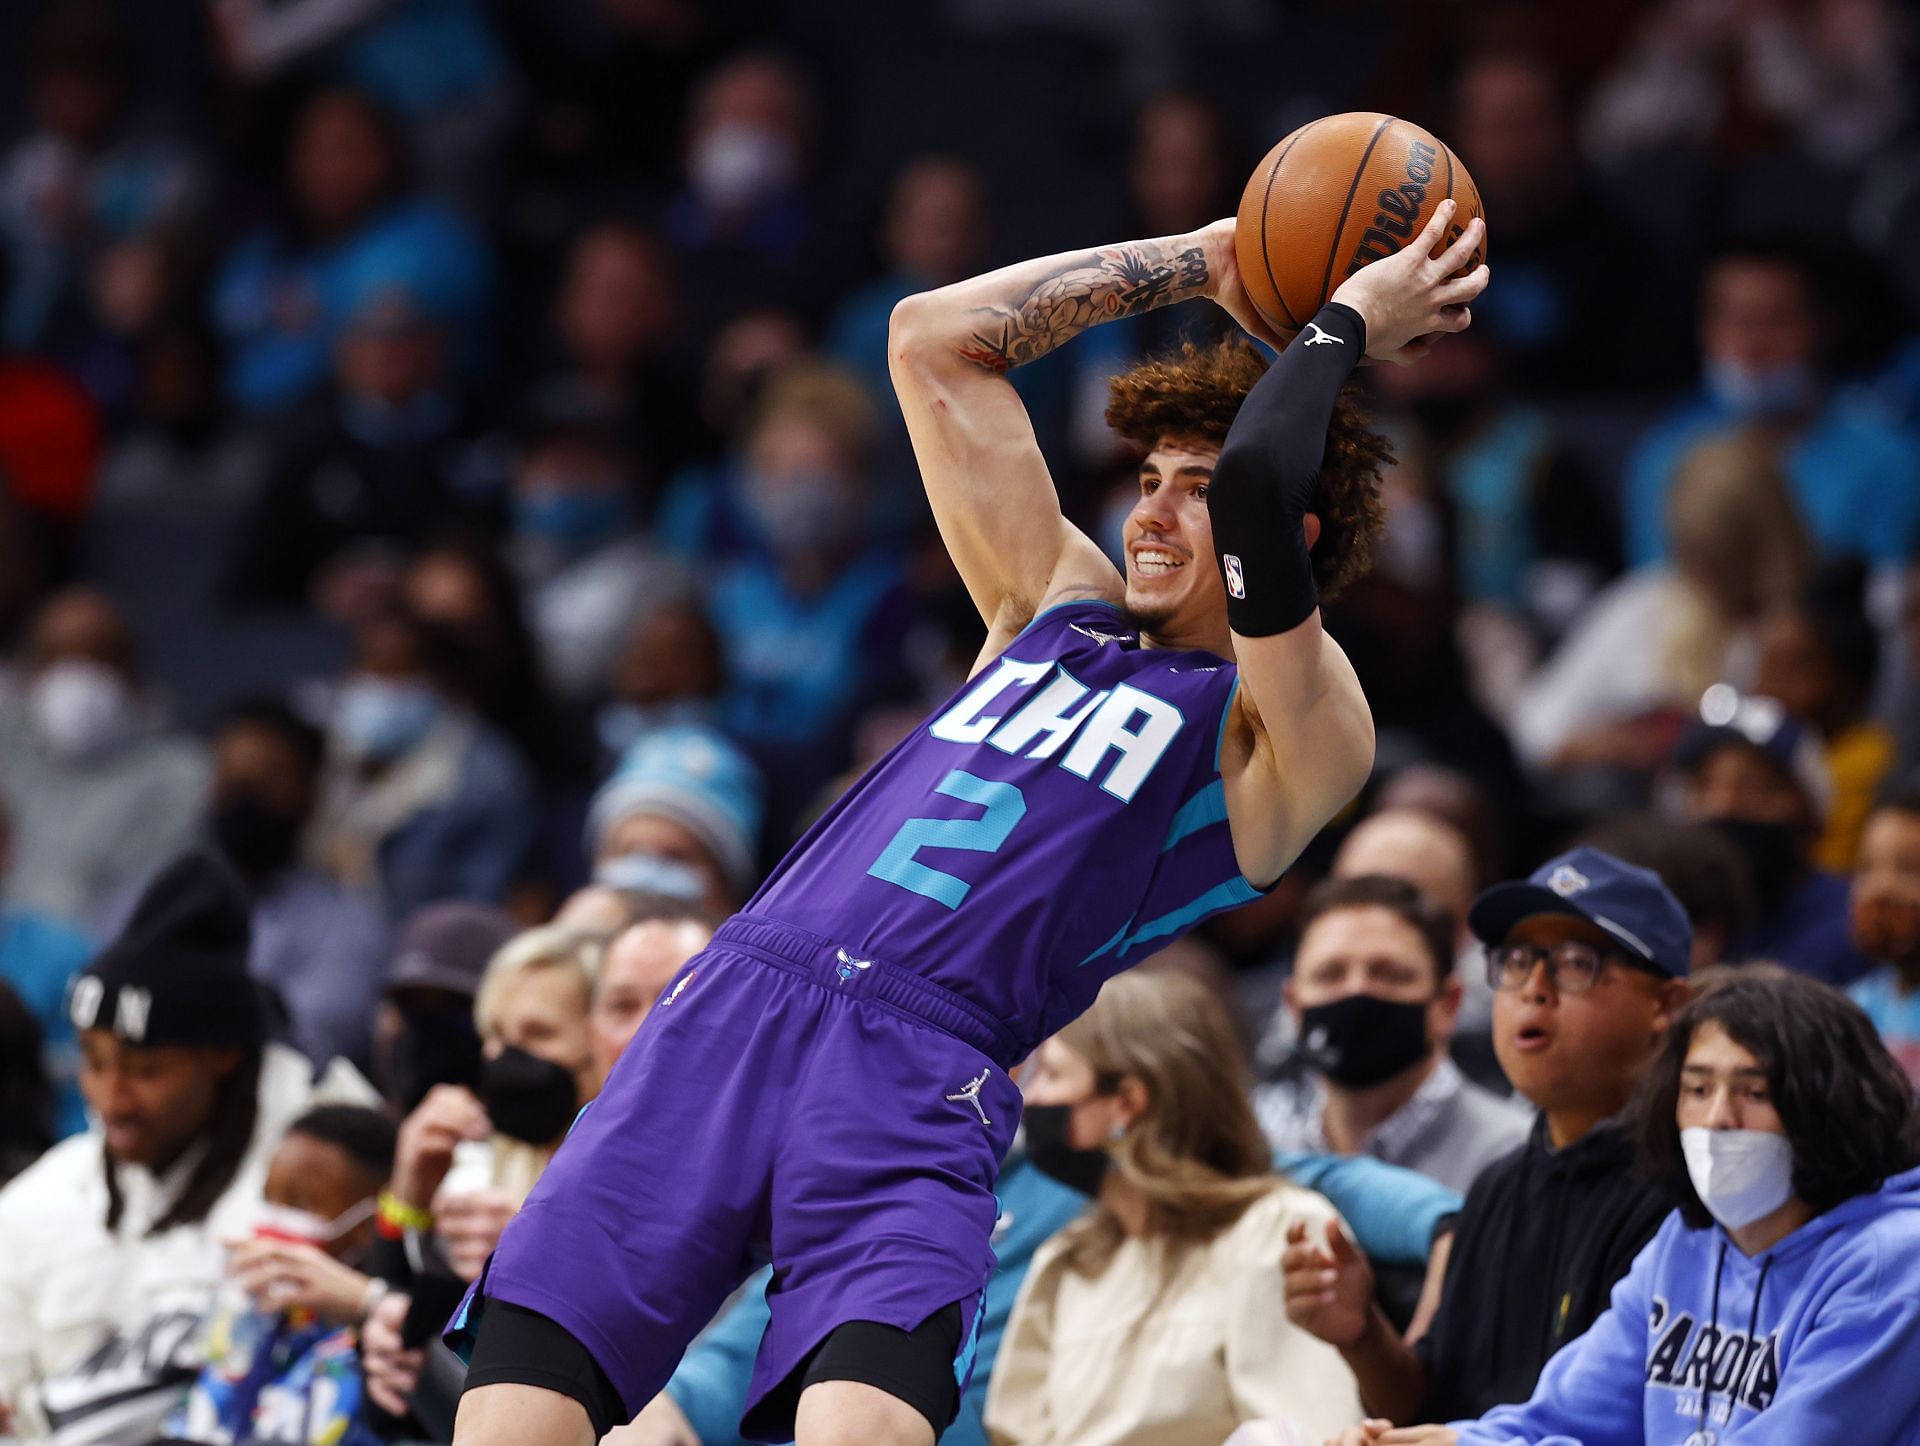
[[1392, 1212], [39, 956]]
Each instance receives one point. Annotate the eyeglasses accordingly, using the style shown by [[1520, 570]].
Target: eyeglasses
[[1572, 967]]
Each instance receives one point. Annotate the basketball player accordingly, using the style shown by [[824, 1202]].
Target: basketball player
[[826, 1085]]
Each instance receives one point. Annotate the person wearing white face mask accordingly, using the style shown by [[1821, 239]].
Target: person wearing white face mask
[[282, 1347], [1852, 472], [101, 796], [1781, 1301]]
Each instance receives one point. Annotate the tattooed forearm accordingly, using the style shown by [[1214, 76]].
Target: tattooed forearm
[[1104, 286]]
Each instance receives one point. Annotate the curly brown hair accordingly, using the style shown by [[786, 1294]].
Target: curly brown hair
[[1195, 393]]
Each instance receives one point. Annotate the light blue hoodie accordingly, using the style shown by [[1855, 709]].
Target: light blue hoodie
[[1814, 1341]]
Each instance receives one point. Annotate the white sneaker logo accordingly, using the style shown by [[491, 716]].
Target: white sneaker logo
[[970, 1094], [1322, 338]]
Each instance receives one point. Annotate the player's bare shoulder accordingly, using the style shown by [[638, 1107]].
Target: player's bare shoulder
[[1084, 574]]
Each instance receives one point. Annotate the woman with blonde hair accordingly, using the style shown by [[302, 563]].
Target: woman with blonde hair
[[1160, 1315], [1654, 640]]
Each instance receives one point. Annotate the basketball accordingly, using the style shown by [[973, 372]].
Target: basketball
[[1337, 193]]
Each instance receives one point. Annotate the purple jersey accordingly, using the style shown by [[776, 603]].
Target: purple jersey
[[1060, 819]]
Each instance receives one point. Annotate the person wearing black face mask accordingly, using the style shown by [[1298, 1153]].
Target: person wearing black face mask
[[319, 947], [1374, 1001], [1755, 772]]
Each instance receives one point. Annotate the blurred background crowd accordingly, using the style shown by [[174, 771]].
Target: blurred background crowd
[[448, 471]]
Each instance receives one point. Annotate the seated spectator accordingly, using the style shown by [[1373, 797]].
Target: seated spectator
[[466, 595], [101, 795], [813, 623], [745, 213], [282, 1351], [110, 1246], [1819, 656], [39, 957], [1437, 858], [366, 471], [537, 1070], [680, 816], [423, 1030], [1778, 1301], [1886, 924], [1853, 474], [437, 63], [574, 540], [467, 1157], [1610, 697], [422, 800], [1375, 998], [1757, 776], [1589, 956], [320, 949], [640, 964], [351, 230], [933, 233], [26, 1091], [669, 670], [617, 334], [84, 177], [1158, 1314]]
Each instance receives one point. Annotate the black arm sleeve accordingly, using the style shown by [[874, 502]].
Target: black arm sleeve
[[1263, 483]]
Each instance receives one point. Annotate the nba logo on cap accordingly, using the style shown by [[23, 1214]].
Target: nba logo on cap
[[1236, 580]]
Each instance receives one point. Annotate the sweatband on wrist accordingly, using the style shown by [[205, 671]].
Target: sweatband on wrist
[[1262, 484], [401, 1216]]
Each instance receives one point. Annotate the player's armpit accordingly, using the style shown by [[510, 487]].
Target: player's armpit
[[1299, 745]]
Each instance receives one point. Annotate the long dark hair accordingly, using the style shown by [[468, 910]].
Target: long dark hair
[[1848, 1109], [236, 1109]]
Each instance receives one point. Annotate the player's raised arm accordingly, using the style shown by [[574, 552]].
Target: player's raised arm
[[1305, 734], [992, 496]]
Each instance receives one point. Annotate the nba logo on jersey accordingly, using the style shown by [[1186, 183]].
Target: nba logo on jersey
[[1236, 579]]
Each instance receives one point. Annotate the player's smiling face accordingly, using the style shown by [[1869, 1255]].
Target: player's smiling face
[[1173, 582]]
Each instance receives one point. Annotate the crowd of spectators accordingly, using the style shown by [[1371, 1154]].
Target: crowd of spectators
[[456, 533]]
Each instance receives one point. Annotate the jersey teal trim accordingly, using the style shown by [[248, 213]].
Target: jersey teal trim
[[1208, 806], [1072, 602], [1220, 896], [1220, 743]]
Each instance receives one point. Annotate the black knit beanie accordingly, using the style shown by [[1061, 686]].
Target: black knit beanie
[[177, 974]]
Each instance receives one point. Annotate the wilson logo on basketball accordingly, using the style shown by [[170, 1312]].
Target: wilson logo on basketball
[[1399, 214]]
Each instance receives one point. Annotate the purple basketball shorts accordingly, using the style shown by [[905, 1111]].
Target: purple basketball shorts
[[784, 1100]]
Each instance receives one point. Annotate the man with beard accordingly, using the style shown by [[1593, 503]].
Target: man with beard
[[110, 1245]]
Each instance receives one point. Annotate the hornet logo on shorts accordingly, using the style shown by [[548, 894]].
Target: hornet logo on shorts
[[1236, 576], [969, 1093], [1320, 337], [848, 964], [685, 980]]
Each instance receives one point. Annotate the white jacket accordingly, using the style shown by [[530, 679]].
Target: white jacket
[[97, 1328]]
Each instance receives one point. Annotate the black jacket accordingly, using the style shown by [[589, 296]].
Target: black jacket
[[1542, 1239]]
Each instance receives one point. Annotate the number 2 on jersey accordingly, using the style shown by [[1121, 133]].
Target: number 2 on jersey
[[1005, 806]]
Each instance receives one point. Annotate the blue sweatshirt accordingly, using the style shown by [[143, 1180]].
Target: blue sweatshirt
[[1816, 1340]]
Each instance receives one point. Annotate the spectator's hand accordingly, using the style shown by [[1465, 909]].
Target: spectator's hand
[[6, 1418], [660, 1423], [1365, 1434], [1420, 1436], [1329, 1284], [1225, 286], [281, 1274], [392, 1371], [469, 1226], [424, 1152], [1410, 295]]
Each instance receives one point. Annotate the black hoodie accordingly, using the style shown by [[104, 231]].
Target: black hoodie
[[1541, 1240]]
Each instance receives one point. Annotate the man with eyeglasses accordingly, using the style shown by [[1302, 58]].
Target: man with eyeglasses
[[1588, 960]]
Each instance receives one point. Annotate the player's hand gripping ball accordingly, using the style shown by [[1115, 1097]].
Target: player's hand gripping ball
[[1338, 193]]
